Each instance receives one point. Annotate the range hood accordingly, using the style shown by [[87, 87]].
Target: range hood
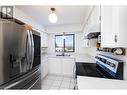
[[93, 32], [92, 35]]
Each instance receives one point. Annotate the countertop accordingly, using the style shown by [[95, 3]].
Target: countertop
[[85, 58], [54, 56], [85, 82]]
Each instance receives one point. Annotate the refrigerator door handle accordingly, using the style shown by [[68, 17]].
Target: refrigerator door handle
[[28, 50], [32, 50]]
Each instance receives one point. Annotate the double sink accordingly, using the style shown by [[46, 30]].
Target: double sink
[[62, 54]]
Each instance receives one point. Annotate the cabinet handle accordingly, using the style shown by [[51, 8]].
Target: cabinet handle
[[115, 38], [88, 43], [100, 18]]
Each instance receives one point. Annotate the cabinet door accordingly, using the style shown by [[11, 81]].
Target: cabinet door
[[44, 66], [94, 20], [55, 66], [120, 27], [113, 26], [96, 15], [44, 70], [44, 40], [67, 67], [107, 33]]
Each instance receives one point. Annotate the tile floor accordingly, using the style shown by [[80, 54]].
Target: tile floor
[[57, 82]]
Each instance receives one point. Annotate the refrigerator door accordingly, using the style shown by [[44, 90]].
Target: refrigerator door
[[12, 50], [37, 48]]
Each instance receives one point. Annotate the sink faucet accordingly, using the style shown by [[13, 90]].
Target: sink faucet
[[63, 51]]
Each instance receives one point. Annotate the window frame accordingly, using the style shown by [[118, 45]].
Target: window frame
[[64, 42]]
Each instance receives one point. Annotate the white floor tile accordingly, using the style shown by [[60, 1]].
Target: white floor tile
[[47, 82], [51, 77], [54, 88], [59, 78], [72, 82], [45, 87], [66, 79], [71, 86], [56, 83], [71, 89], [65, 84], [63, 88]]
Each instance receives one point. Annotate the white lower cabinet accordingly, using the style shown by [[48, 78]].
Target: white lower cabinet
[[44, 67], [54, 66], [61, 66], [67, 67]]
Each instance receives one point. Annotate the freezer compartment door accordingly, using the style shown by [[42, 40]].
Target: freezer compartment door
[[28, 81]]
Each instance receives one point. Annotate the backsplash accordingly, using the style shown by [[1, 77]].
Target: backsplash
[[117, 51]]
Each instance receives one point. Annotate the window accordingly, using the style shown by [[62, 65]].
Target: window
[[64, 43]]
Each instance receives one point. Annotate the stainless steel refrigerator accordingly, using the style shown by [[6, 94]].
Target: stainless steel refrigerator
[[19, 56]]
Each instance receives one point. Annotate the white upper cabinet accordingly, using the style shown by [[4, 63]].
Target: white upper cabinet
[[96, 15], [107, 27], [44, 39], [94, 20], [92, 25], [113, 26]]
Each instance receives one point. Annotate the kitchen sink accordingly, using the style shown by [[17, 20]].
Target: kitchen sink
[[62, 54]]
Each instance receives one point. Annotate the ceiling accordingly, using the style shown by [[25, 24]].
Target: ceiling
[[66, 14]]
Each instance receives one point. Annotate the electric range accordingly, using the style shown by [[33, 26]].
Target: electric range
[[105, 67]]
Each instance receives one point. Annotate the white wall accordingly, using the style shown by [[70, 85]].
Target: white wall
[[78, 45], [27, 19], [80, 48]]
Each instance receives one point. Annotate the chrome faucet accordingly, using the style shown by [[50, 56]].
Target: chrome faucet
[[63, 52]]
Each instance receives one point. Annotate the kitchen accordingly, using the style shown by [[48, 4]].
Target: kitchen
[[82, 47]]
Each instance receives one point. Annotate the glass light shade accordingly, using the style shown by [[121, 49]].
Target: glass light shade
[[53, 18]]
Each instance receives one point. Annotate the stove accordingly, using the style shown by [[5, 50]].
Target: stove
[[105, 67]]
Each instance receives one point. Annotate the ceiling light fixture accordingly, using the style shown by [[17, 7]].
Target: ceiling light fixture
[[53, 16]]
